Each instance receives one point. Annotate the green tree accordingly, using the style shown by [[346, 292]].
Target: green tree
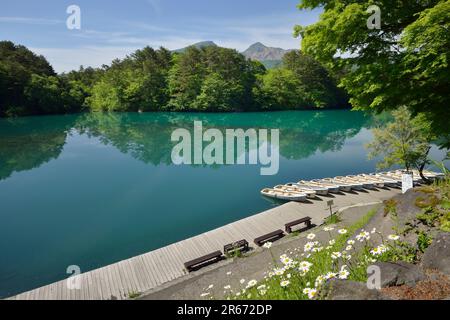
[[406, 141], [137, 83], [280, 89], [218, 94], [318, 85], [29, 86], [185, 79], [212, 79], [405, 63]]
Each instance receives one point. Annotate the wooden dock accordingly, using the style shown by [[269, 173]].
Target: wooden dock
[[151, 270]]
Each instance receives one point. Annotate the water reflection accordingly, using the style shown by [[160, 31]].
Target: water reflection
[[28, 143]]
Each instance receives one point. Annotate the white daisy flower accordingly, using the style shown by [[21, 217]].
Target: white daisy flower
[[318, 249], [328, 229], [351, 242], [364, 235], [343, 231], [278, 272], [309, 246], [343, 274], [311, 236], [336, 255], [312, 294], [377, 251], [319, 280], [330, 275], [348, 248], [267, 245], [393, 237], [285, 283], [251, 284], [332, 242]]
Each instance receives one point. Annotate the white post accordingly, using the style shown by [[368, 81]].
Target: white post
[[407, 181]]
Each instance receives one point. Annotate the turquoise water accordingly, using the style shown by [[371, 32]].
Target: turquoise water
[[93, 189]]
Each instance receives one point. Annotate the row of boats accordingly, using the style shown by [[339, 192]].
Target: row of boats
[[304, 190]]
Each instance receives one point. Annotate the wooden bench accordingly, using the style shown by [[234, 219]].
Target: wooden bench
[[204, 261], [241, 246], [273, 236], [292, 224]]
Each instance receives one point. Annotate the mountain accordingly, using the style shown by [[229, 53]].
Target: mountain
[[198, 45], [269, 56], [260, 52]]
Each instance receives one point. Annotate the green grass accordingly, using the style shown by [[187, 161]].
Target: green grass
[[333, 219], [322, 263]]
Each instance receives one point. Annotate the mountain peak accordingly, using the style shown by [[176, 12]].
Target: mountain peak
[[260, 52], [257, 45]]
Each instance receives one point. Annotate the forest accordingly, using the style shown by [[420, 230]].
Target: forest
[[210, 79]]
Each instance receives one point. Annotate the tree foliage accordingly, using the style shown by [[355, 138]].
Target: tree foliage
[[406, 142], [209, 79], [405, 63], [28, 85]]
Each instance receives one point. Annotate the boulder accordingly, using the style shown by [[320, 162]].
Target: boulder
[[351, 290], [399, 273], [437, 256]]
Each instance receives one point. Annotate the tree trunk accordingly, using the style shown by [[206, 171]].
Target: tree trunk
[[425, 179], [422, 167]]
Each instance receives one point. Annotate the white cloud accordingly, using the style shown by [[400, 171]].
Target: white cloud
[[95, 48], [25, 20], [65, 59]]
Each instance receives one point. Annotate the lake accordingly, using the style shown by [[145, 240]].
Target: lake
[[93, 189]]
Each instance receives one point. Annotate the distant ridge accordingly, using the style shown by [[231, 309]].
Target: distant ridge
[[260, 52], [198, 45]]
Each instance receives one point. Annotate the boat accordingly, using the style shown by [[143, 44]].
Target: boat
[[399, 174], [318, 187], [388, 182], [388, 177], [366, 184], [377, 182], [347, 184], [281, 195], [429, 174], [318, 190], [296, 189], [332, 186]]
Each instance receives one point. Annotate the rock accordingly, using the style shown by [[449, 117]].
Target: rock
[[399, 273], [437, 256], [350, 290]]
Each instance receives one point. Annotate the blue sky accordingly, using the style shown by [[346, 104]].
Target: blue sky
[[113, 29]]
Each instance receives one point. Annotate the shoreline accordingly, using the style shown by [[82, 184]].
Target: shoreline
[[160, 267]]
